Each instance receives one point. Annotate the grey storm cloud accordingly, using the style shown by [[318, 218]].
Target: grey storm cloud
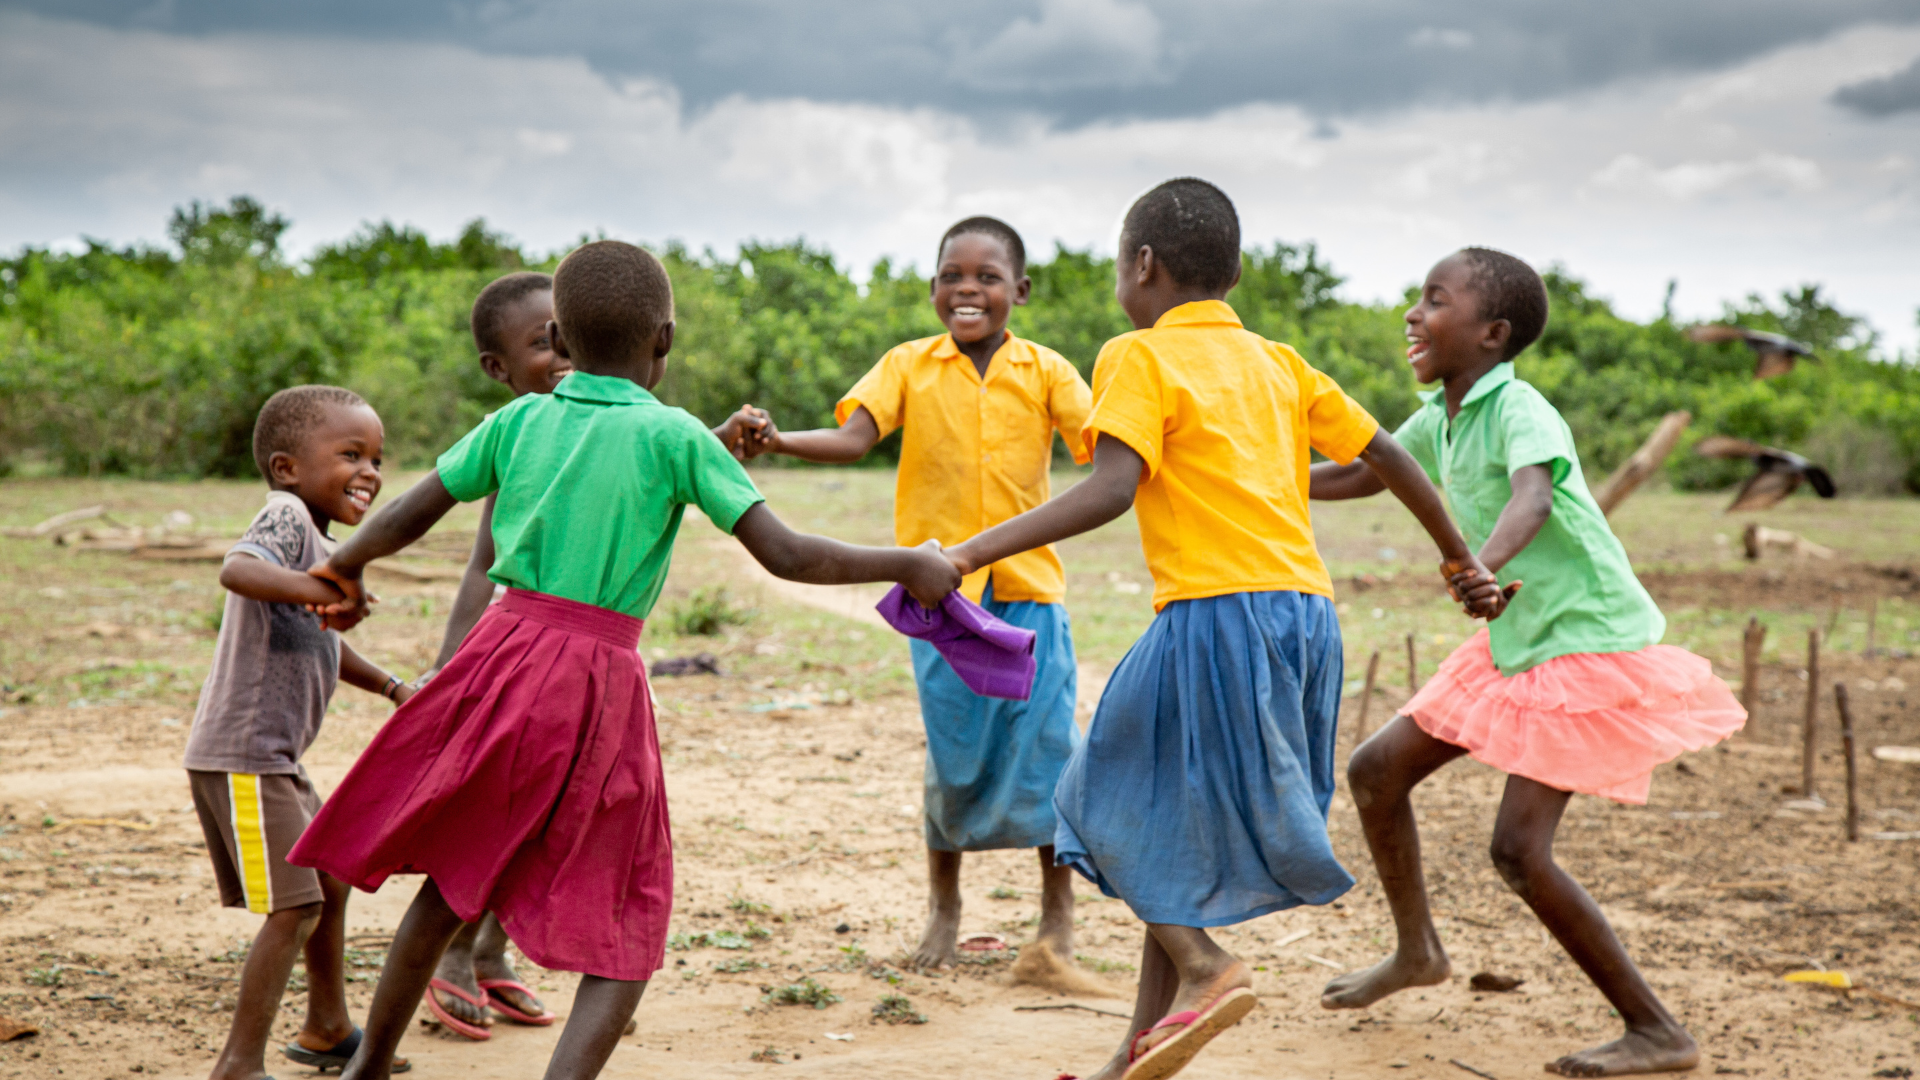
[[1889, 94], [1078, 61]]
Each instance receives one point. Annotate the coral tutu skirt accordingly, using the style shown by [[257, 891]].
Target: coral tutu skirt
[[1595, 723], [525, 780]]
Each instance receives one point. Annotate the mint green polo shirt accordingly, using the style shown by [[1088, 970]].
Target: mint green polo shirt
[[1580, 595], [593, 480]]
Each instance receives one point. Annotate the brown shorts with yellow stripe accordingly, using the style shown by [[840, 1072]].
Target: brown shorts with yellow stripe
[[251, 822]]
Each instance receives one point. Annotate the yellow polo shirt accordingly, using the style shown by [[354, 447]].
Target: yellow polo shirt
[[1225, 420], [976, 450]]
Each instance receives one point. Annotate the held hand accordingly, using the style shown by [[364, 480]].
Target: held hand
[[355, 600], [932, 576], [1474, 587], [762, 434]]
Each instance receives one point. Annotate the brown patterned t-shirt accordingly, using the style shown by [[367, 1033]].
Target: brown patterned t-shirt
[[275, 665]]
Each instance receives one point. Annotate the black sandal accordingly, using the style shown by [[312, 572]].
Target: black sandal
[[336, 1056]]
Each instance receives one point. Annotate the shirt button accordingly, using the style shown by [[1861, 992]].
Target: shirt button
[[986, 457], [983, 390]]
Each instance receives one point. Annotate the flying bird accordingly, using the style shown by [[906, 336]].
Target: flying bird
[[1773, 354], [1779, 472]]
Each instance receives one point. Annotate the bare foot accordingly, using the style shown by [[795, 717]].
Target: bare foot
[[1359, 989], [937, 944], [1644, 1051], [456, 967], [1040, 965]]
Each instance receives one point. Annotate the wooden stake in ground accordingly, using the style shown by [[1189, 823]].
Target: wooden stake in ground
[[1813, 714], [1644, 462], [1751, 643], [1846, 741], [1873, 617], [1413, 667], [1366, 699]]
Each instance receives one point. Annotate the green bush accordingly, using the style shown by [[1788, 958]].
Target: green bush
[[706, 613]]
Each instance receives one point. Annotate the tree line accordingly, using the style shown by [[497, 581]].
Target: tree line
[[153, 361]]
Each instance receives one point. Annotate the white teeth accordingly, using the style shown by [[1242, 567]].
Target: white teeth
[[969, 311]]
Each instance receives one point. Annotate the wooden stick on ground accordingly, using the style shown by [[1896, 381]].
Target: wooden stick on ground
[[1813, 714], [1846, 741], [1873, 617], [1751, 643], [1644, 463], [1413, 667], [1366, 699]]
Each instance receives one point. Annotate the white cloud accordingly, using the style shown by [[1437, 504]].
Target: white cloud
[[1747, 180], [1074, 44], [1433, 37]]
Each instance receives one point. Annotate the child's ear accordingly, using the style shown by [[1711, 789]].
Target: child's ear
[[558, 342], [1144, 264], [1238, 265], [1022, 291], [1499, 332], [662, 340], [495, 366], [283, 471]]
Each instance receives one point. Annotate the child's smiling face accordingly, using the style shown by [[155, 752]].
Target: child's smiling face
[[527, 362], [974, 289], [337, 469], [1446, 332]]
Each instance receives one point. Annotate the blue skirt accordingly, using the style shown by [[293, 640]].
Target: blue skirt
[[991, 763], [1200, 795]]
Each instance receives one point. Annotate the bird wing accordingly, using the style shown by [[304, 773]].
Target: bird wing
[[1767, 487], [1822, 483], [1770, 362], [1716, 332], [1726, 446]]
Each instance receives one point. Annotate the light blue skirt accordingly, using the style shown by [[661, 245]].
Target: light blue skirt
[[1200, 794], [992, 764]]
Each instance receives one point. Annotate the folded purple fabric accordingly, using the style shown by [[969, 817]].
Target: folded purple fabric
[[994, 658]]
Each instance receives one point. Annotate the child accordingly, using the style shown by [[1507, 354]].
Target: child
[[980, 407], [1200, 794], [274, 669], [525, 778], [1566, 692], [509, 321]]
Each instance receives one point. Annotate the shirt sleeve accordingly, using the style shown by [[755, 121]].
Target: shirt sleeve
[[1533, 433], [712, 480], [278, 535], [1127, 401], [883, 391], [1069, 400], [1336, 424], [469, 469], [1417, 436]]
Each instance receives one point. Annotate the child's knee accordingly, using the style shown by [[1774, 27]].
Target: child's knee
[[1517, 859], [1366, 774], [301, 920]]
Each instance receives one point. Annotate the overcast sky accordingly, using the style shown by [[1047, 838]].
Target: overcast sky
[[1734, 145]]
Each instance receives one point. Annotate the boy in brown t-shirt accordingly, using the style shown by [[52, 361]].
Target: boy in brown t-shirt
[[274, 670]]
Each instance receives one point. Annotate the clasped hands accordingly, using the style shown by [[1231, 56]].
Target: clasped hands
[[1476, 589]]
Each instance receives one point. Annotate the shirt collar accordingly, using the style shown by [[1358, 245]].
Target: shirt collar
[[1199, 313], [946, 349], [605, 389], [1500, 375]]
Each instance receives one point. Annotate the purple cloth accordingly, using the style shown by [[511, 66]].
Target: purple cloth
[[994, 658]]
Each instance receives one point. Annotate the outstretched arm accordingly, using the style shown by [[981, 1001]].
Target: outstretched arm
[[830, 446], [821, 561], [1330, 481], [1104, 495], [403, 521], [476, 592], [1470, 582]]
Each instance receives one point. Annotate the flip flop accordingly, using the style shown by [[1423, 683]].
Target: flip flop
[[505, 1008], [1172, 1054], [982, 943], [452, 1022], [335, 1056]]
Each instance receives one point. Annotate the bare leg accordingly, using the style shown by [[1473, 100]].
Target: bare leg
[[457, 966], [1381, 775], [263, 981], [1181, 968], [943, 911], [423, 935], [328, 1021], [601, 1009], [1056, 907], [1523, 853], [490, 962]]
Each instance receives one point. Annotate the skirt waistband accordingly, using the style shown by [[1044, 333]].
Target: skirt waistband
[[574, 617]]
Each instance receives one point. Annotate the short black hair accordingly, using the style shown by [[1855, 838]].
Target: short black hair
[[610, 298], [290, 416], [1510, 290], [490, 307], [986, 226], [1193, 230]]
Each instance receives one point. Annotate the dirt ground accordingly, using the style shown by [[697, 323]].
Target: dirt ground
[[794, 781]]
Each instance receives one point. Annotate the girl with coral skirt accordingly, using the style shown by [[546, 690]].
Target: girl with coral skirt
[[1566, 691]]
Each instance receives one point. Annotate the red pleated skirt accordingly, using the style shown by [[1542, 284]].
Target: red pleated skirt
[[525, 780]]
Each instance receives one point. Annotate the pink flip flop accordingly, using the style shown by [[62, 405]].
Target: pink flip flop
[[982, 943], [1197, 1030], [504, 1008], [452, 1022]]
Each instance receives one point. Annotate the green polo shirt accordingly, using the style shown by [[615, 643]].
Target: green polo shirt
[[1580, 594], [593, 480]]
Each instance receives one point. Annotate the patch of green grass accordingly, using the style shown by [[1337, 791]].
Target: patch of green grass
[[805, 992], [897, 1009], [743, 906], [739, 964], [707, 613], [55, 975], [1104, 966], [1001, 892]]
